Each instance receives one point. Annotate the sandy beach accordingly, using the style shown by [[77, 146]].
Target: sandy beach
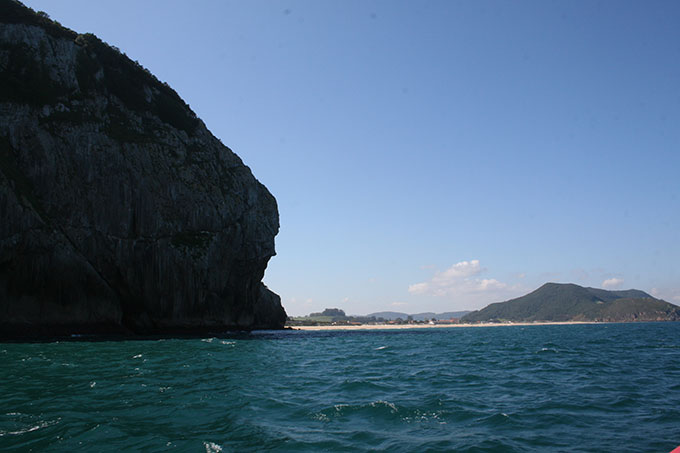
[[435, 326]]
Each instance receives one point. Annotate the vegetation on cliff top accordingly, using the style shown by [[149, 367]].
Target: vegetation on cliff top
[[99, 67]]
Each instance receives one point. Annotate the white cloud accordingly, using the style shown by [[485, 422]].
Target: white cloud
[[612, 283], [418, 288], [399, 304], [488, 284], [461, 284], [462, 269], [453, 278], [442, 280]]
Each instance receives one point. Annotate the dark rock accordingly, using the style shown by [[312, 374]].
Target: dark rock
[[120, 211]]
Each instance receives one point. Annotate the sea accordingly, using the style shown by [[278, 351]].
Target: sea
[[543, 388]]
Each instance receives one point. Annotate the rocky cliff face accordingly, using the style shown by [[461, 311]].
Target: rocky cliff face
[[120, 211]]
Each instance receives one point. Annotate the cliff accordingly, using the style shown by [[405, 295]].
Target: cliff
[[569, 302], [120, 211]]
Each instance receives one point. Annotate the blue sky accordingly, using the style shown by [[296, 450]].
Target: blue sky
[[440, 155]]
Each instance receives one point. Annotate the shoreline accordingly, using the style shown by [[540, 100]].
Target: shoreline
[[439, 326]]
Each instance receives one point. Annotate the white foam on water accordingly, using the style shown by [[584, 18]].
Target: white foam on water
[[40, 425], [547, 350], [392, 407], [212, 447]]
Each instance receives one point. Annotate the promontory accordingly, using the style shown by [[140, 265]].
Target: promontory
[[564, 302], [120, 212]]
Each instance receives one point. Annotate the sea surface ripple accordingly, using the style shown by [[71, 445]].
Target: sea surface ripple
[[567, 388]]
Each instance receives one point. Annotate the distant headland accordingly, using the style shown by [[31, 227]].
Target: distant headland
[[552, 303], [556, 302]]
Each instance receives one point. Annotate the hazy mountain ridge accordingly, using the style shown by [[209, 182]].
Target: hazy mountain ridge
[[570, 302], [392, 315]]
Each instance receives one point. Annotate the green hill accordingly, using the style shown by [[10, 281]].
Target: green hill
[[569, 302]]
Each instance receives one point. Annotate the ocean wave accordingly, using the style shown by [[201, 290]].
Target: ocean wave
[[475, 391]]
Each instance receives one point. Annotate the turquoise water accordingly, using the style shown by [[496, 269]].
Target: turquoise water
[[580, 388]]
